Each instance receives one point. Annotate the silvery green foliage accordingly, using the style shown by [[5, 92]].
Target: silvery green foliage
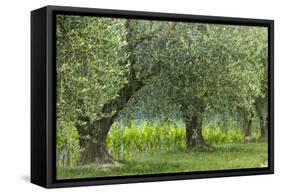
[[185, 69], [92, 65], [199, 68]]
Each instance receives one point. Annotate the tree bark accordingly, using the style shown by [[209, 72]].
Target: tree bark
[[263, 117], [262, 124], [194, 137], [248, 127], [264, 128], [92, 140]]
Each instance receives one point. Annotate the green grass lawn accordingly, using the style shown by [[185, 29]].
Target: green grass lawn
[[233, 156]]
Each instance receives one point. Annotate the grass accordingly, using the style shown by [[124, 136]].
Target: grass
[[231, 156]]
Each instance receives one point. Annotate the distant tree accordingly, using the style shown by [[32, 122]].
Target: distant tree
[[209, 68], [253, 99], [261, 100]]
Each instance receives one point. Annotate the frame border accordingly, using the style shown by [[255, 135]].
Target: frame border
[[51, 12]]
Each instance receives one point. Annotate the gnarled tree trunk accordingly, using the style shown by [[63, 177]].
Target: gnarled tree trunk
[[93, 134], [264, 127], [194, 137], [262, 116], [262, 124], [248, 126], [92, 140]]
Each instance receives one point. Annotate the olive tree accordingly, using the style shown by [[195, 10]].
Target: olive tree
[[92, 70], [100, 68], [209, 67]]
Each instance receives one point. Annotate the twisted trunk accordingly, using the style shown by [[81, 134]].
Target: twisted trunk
[[262, 123], [93, 134], [92, 140], [264, 127], [261, 110], [194, 137], [248, 126]]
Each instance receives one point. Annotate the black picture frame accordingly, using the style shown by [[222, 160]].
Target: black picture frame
[[43, 96]]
